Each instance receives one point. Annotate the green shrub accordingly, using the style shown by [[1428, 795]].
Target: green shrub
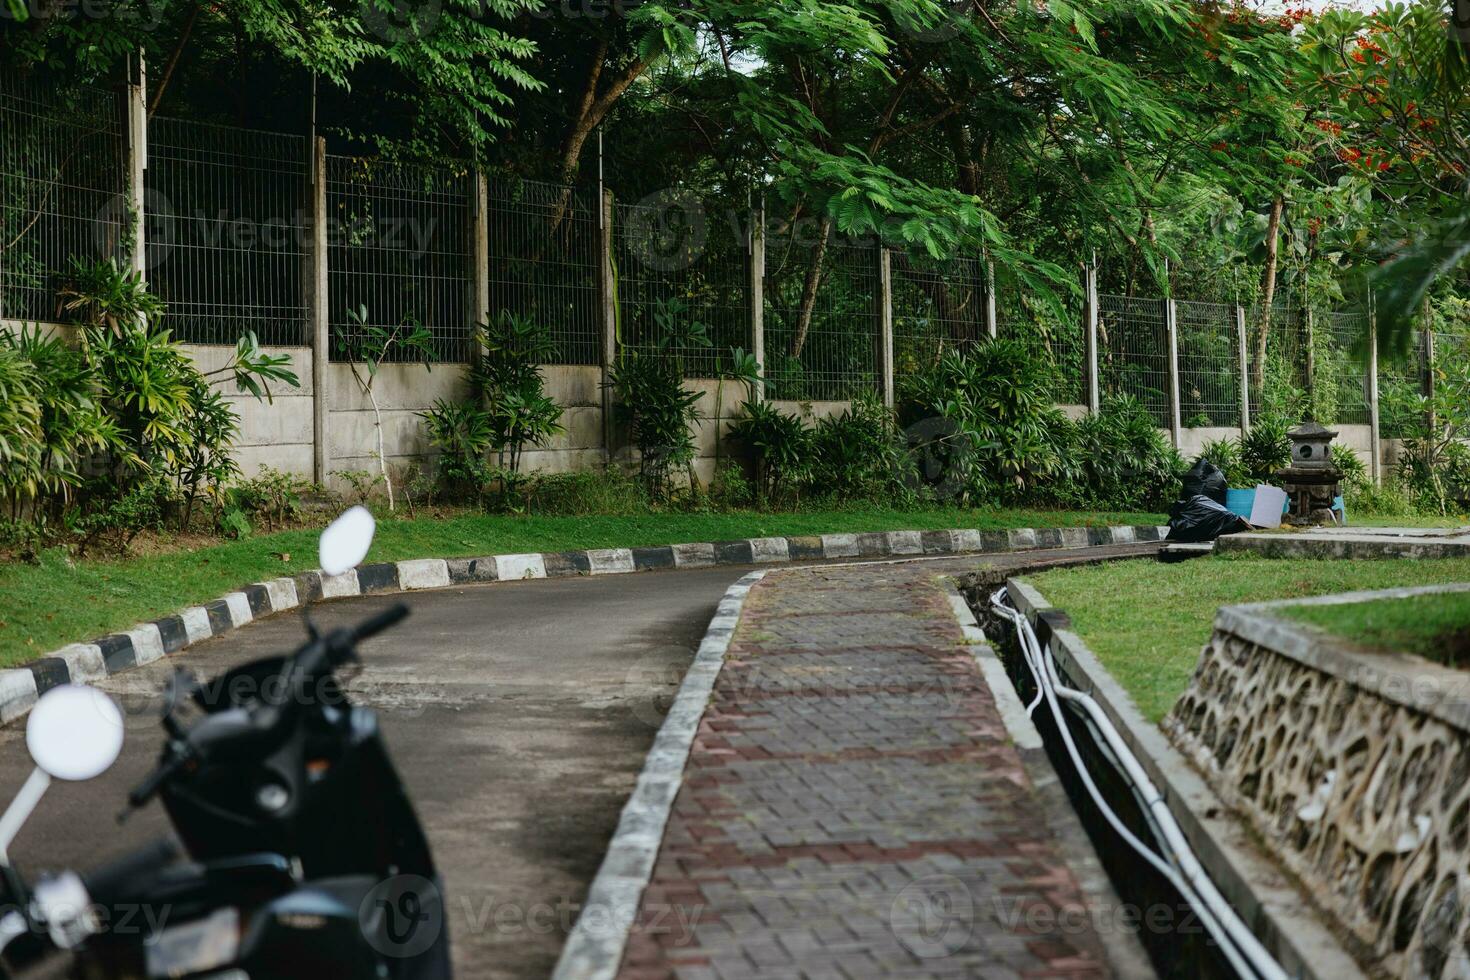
[[983, 423], [462, 435], [507, 382], [858, 454], [1225, 453], [659, 413], [1265, 447], [782, 447], [582, 494], [1122, 460], [1354, 471]]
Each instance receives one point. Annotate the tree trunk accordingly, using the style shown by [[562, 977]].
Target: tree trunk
[[382, 458], [1268, 292], [809, 289]]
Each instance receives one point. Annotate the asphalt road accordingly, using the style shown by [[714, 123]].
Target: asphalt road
[[517, 713]]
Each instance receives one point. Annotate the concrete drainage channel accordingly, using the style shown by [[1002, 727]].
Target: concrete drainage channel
[[1170, 928]]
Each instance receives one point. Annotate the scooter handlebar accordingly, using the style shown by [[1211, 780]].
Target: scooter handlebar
[[374, 625], [115, 881]]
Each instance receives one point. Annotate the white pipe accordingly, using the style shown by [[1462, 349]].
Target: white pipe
[[1239, 945]]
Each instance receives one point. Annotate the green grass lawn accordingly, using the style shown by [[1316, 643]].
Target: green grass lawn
[[1433, 626], [58, 601], [1147, 621]]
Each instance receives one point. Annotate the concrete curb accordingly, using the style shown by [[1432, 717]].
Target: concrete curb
[[594, 947], [84, 663], [1266, 899]]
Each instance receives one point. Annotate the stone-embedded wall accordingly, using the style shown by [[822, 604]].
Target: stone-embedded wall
[[1354, 769]]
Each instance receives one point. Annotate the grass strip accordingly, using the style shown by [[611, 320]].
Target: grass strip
[[1435, 626], [1148, 621], [59, 601]]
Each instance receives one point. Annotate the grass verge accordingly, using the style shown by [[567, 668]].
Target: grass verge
[[59, 601], [1433, 626], [1148, 621]]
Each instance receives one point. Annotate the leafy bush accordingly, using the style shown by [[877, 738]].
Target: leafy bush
[[582, 494], [782, 447], [1265, 447], [462, 435], [507, 382], [1354, 471], [272, 497], [983, 422], [1123, 461], [858, 454], [1225, 453], [659, 413]]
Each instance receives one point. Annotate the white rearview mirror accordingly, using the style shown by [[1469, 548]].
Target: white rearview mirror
[[74, 732], [345, 542]]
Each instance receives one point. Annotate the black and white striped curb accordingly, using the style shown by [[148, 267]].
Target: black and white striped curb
[[83, 663], [594, 947]]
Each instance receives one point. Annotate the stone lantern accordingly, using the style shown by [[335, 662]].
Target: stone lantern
[[1311, 482]]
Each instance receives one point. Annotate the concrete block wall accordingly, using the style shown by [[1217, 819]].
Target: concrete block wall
[[278, 433]]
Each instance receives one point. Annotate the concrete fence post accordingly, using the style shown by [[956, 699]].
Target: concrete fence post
[[758, 299], [1090, 317], [137, 130], [992, 328], [480, 253], [1430, 420], [1244, 357], [1309, 342], [1375, 440], [885, 324], [1171, 332], [318, 310], [607, 315]]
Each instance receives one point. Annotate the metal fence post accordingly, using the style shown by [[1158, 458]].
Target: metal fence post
[[1245, 368], [137, 129], [1090, 312], [1375, 441], [317, 309], [758, 299], [992, 328], [1171, 332], [885, 324], [608, 314]]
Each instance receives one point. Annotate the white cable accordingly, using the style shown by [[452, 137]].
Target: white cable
[[1239, 945]]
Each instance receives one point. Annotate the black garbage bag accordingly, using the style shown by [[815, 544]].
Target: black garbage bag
[[1205, 478], [1201, 519]]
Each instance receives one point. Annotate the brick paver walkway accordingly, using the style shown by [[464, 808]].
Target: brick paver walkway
[[853, 805]]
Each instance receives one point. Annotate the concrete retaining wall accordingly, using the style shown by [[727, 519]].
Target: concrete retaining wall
[[280, 433]]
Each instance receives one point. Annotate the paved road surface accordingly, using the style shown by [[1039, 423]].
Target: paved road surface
[[518, 714]]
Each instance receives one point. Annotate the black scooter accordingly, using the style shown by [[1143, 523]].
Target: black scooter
[[304, 855]]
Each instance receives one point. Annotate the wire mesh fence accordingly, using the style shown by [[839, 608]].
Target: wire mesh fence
[[227, 230], [398, 251], [1209, 364], [683, 283], [1278, 380], [936, 306], [1401, 385], [1133, 351], [1056, 340], [1340, 378], [63, 190], [821, 345], [544, 250]]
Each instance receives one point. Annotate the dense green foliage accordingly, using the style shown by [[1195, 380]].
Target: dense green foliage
[[121, 431]]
